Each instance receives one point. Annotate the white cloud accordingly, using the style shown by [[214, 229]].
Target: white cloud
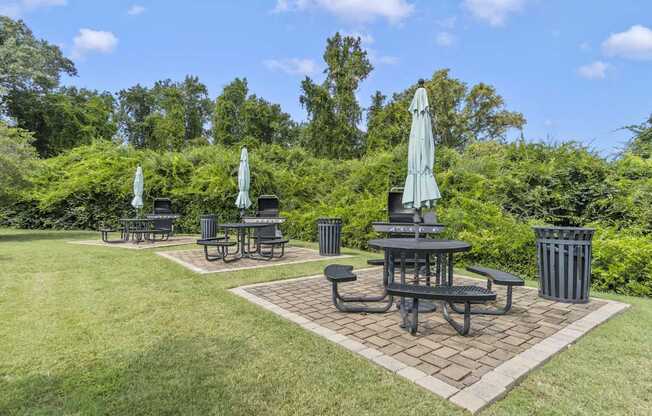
[[494, 12], [353, 10], [136, 9], [17, 8], [634, 43], [595, 70], [292, 66], [445, 39], [89, 40]]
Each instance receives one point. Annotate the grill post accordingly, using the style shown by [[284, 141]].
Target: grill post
[[330, 236], [564, 263]]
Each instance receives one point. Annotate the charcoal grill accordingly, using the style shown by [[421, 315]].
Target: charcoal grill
[[162, 215]]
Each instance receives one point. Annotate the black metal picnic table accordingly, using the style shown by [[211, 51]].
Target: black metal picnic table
[[439, 252], [136, 229], [243, 230]]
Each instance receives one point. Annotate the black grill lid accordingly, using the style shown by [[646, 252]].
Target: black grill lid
[[395, 209], [267, 206], [162, 206]]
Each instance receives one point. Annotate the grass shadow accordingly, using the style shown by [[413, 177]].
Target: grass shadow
[[21, 236], [175, 376]]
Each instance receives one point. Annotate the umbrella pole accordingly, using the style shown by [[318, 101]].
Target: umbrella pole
[[417, 220]]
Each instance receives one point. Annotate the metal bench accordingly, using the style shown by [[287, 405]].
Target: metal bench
[[336, 274], [495, 277], [221, 245], [447, 294]]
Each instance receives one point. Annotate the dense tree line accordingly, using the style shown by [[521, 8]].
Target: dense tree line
[[171, 115]]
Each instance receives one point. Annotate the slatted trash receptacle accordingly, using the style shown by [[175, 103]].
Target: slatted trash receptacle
[[208, 226], [330, 236], [564, 263]]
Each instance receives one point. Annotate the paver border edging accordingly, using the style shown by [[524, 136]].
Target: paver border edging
[[169, 256], [491, 387]]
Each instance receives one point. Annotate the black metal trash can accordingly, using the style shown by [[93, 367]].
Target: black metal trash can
[[564, 263], [208, 226], [330, 236]]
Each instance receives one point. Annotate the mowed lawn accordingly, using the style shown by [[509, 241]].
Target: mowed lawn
[[93, 330]]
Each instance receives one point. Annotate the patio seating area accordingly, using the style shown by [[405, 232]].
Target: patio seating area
[[472, 371]]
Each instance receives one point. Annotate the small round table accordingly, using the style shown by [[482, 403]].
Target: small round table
[[243, 228], [441, 251]]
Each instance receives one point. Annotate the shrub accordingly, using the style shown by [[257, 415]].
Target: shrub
[[492, 193]]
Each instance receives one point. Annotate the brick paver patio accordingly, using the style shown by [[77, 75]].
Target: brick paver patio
[[195, 260], [472, 370]]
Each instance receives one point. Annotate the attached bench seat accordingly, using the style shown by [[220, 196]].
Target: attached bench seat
[[339, 273], [267, 240], [448, 294], [500, 278], [105, 231], [163, 234], [221, 244]]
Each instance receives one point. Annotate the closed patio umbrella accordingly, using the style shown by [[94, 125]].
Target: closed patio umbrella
[[420, 186], [139, 183], [243, 202]]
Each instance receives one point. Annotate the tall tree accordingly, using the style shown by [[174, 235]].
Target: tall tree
[[240, 117], [17, 159], [461, 114], [136, 104], [641, 143], [228, 126], [333, 110], [197, 107], [167, 116], [63, 118], [27, 63]]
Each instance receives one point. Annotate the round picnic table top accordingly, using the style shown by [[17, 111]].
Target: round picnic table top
[[235, 225], [421, 244]]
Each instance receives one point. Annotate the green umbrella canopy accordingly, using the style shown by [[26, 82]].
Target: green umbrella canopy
[[244, 181], [139, 184], [420, 186]]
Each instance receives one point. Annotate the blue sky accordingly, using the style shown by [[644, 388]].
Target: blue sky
[[577, 69]]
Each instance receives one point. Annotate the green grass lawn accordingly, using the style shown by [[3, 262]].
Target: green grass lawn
[[94, 330]]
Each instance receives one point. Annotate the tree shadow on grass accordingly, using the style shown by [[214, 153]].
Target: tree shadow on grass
[[20, 236], [199, 375]]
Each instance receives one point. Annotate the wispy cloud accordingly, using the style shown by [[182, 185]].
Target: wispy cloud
[[17, 8], [89, 40], [494, 12], [445, 39], [394, 11], [135, 10], [292, 66], [634, 43], [593, 71]]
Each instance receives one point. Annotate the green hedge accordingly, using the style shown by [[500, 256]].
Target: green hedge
[[492, 193]]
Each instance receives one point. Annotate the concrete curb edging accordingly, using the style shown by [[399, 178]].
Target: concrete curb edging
[[169, 255]]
